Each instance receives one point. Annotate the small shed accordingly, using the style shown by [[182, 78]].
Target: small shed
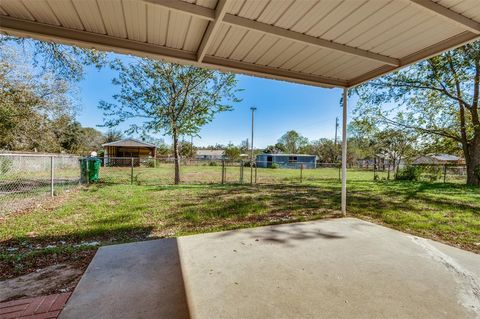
[[286, 160], [120, 152]]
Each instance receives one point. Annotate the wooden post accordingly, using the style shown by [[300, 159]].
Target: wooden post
[[131, 171], [223, 171], [301, 173], [241, 172], [444, 173], [155, 157], [255, 172]]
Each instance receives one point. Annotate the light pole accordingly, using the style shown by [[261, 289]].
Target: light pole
[[253, 108], [336, 129]]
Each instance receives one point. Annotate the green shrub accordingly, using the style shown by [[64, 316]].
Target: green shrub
[[149, 162], [432, 172], [409, 173], [213, 164], [274, 165]]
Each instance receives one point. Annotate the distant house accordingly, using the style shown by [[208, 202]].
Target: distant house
[[439, 159], [117, 152], [286, 160], [210, 155]]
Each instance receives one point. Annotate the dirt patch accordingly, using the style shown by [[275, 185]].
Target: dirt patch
[[52, 279]]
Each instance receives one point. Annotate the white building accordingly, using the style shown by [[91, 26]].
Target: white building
[[210, 155]]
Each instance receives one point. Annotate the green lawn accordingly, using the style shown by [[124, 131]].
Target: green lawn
[[114, 213]]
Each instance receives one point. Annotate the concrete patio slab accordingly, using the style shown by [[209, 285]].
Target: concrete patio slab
[[342, 268]]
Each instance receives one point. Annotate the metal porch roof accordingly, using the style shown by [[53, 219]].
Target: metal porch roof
[[317, 42], [129, 142]]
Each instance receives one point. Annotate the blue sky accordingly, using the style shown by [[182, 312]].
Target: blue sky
[[281, 106]]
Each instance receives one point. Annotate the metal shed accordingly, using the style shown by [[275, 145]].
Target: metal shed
[[286, 160], [316, 42]]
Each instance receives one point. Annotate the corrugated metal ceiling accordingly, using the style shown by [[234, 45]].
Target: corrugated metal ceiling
[[319, 42]]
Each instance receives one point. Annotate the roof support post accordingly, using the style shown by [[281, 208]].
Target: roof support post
[[344, 152]]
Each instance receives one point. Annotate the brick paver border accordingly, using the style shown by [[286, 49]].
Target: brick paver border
[[44, 307]]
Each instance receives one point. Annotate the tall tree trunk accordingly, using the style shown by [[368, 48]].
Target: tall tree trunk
[[176, 156], [472, 159]]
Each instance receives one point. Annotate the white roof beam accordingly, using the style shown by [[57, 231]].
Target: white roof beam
[[185, 7], [212, 29], [452, 16], [272, 73], [234, 20], [84, 39], [306, 39], [45, 32], [448, 44]]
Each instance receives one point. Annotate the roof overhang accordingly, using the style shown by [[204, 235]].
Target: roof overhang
[[321, 43]]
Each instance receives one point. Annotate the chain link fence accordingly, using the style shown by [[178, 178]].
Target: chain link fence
[[149, 171], [25, 179]]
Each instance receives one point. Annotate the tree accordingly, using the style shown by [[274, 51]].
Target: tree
[[187, 150], [75, 139], [244, 146], [275, 149], [113, 135], [325, 149], [292, 142], [169, 98], [30, 104], [36, 97], [92, 140], [440, 145], [232, 152], [436, 97], [64, 62], [394, 145]]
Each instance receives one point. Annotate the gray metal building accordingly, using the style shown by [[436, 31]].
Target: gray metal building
[[286, 160]]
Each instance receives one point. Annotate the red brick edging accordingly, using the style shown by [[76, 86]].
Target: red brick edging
[[44, 307]]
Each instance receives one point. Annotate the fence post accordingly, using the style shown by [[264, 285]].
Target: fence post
[[52, 175], [223, 171], [241, 172], [444, 173], [301, 173], [255, 173], [131, 171]]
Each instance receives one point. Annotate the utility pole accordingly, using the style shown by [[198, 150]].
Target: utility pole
[[336, 130], [253, 108], [336, 139]]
